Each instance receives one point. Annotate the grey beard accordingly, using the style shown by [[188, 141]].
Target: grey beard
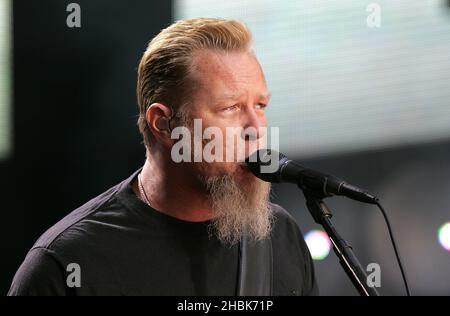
[[238, 210]]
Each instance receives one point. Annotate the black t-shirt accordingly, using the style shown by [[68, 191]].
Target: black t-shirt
[[121, 246]]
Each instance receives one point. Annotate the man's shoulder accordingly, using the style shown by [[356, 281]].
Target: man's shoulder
[[69, 227], [70, 240], [285, 226], [282, 216], [280, 211]]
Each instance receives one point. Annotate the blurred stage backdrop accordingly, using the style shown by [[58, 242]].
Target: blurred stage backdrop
[[369, 103]]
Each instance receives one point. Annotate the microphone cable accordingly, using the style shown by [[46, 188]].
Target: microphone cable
[[394, 245]]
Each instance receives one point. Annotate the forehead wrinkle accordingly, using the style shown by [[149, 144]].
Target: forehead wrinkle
[[225, 78]]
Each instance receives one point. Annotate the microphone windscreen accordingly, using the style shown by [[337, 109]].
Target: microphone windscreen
[[258, 163]]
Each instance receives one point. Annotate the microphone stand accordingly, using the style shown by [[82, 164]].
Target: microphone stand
[[322, 215]]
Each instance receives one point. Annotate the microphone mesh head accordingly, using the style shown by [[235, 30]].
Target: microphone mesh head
[[265, 164]]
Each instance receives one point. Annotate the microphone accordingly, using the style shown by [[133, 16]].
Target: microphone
[[272, 166]]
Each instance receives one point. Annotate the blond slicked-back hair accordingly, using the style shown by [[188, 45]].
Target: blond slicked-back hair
[[163, 74]]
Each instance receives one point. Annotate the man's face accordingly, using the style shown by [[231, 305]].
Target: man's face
[[231, 94]]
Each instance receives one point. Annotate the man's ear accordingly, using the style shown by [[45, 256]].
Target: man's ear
[[158, 120]]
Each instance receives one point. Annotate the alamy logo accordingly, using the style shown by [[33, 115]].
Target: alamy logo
[[74, 18], [74, 277], [213, 145], [374, 18], [374, 277]]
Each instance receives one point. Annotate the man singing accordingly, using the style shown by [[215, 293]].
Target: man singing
[[195, 227]]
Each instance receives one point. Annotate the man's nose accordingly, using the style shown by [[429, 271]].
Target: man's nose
[[254, 125]]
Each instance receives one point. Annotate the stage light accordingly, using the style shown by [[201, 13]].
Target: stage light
[[5, 78], [318, 243], [444, 236]]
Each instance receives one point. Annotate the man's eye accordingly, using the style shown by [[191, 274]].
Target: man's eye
[[261, 106], [231, 108]]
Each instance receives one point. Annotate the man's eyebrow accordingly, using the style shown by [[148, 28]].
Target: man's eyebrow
[[237, 95], [229, 95], [266, 95]]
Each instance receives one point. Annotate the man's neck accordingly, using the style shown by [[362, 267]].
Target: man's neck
[[172, 194]]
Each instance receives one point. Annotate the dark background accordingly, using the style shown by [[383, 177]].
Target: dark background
[[75, 135], [75, 112]]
